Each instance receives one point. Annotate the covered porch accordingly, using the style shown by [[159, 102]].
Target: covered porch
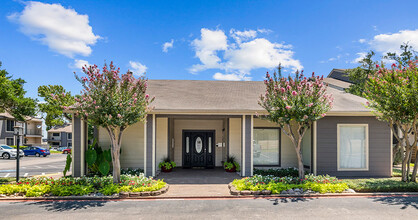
[[254, 143]]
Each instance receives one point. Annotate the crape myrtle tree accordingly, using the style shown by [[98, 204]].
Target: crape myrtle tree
[[114, 102], [392, 94], [294, 103]]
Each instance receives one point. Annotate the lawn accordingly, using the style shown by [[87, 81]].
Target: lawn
[[55, 152], [393, 184]]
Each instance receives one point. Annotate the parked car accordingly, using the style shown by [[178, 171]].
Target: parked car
[[9, 152], [62, 148], [36, 151], [67, 151]]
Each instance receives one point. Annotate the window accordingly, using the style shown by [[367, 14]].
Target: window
[[70, 136], [10, 141], [56, 134], [69, 145], [10, 126], [266, 148], [353, 146]]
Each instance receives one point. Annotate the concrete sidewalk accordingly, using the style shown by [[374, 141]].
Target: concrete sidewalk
[[198, 182]]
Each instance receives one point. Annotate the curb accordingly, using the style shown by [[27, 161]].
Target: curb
[[118, 198]]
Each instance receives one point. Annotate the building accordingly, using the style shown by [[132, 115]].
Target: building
[[32, 127], [60, 136], [200, 123]]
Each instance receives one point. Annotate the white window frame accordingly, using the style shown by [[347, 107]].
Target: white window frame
[[68, 145], [14, 124], [5, 140], [366, 146], [68, 136]]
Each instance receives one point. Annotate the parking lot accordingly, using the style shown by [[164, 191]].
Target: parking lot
[[32, 166]]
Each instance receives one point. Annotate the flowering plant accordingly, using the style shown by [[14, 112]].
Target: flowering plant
[[294, 103], [113, 102]]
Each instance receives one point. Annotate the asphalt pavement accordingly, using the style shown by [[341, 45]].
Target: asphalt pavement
[[291, 208], [31, 165]]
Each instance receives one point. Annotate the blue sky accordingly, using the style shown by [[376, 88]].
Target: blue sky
[[44, 42]]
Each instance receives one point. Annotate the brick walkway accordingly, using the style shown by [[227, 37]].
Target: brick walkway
[[198, 182]]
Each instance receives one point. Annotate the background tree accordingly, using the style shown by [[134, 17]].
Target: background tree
[[392, 94], [113, 102], [55, 97], [360, 74], [293, 104], [12, 97], [408, 54]]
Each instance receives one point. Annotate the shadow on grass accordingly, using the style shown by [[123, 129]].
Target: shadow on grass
[[60, 206], [278, 201], [403, 201]]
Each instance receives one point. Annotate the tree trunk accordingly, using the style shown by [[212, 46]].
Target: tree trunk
[[414, 173], [395, 151], [300, 160], [115, 140]]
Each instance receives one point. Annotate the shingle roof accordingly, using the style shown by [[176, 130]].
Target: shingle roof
[[9, 116], [340, 74], [228, 96], [64, 128]]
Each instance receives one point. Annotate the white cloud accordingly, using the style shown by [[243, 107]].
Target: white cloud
[[240, 57], [79, 64], [206, 49], [230, 77], [391, 42], [168, 45], [137, 67], [360, 57], [362, 41], [240, 36], [62, 30]]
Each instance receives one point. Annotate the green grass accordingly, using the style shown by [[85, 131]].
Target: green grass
[[4, 180], [393, 184], [55, 152]]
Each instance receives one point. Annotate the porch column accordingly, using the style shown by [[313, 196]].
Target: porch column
[[247, 146], [79, 147], [149, 148]]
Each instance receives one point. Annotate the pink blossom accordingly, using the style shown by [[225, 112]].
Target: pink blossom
[[305, 117], [288, 107], [146, 96], [110, 116], [283, 89], [294, 93], [323, 114], [119, 116], [310, 104]]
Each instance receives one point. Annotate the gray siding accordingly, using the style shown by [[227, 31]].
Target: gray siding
[[149, 146], [379, 147], [3, 133], [77, 163]]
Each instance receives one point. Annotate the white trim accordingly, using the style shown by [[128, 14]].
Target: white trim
[[5, 140], [14, 124], [366, 143], [153, 144], [252, 146], [342, 113], [314, 147], [145, 146], [243, 147]]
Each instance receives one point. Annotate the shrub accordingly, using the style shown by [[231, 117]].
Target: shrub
[[293, 172], [321, 184], [110, 190], [132, 171], [38, 190], [381, 185], [68, 190]]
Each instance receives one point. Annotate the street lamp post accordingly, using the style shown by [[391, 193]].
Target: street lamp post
[[18, 131]]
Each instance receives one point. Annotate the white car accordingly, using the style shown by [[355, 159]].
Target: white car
[[9, 152]]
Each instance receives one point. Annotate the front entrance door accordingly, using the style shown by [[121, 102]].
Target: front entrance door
[[198, 149]]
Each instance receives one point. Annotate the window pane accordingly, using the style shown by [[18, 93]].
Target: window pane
[[266, 146], [10, 125], [353, 147], [9, 141]]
